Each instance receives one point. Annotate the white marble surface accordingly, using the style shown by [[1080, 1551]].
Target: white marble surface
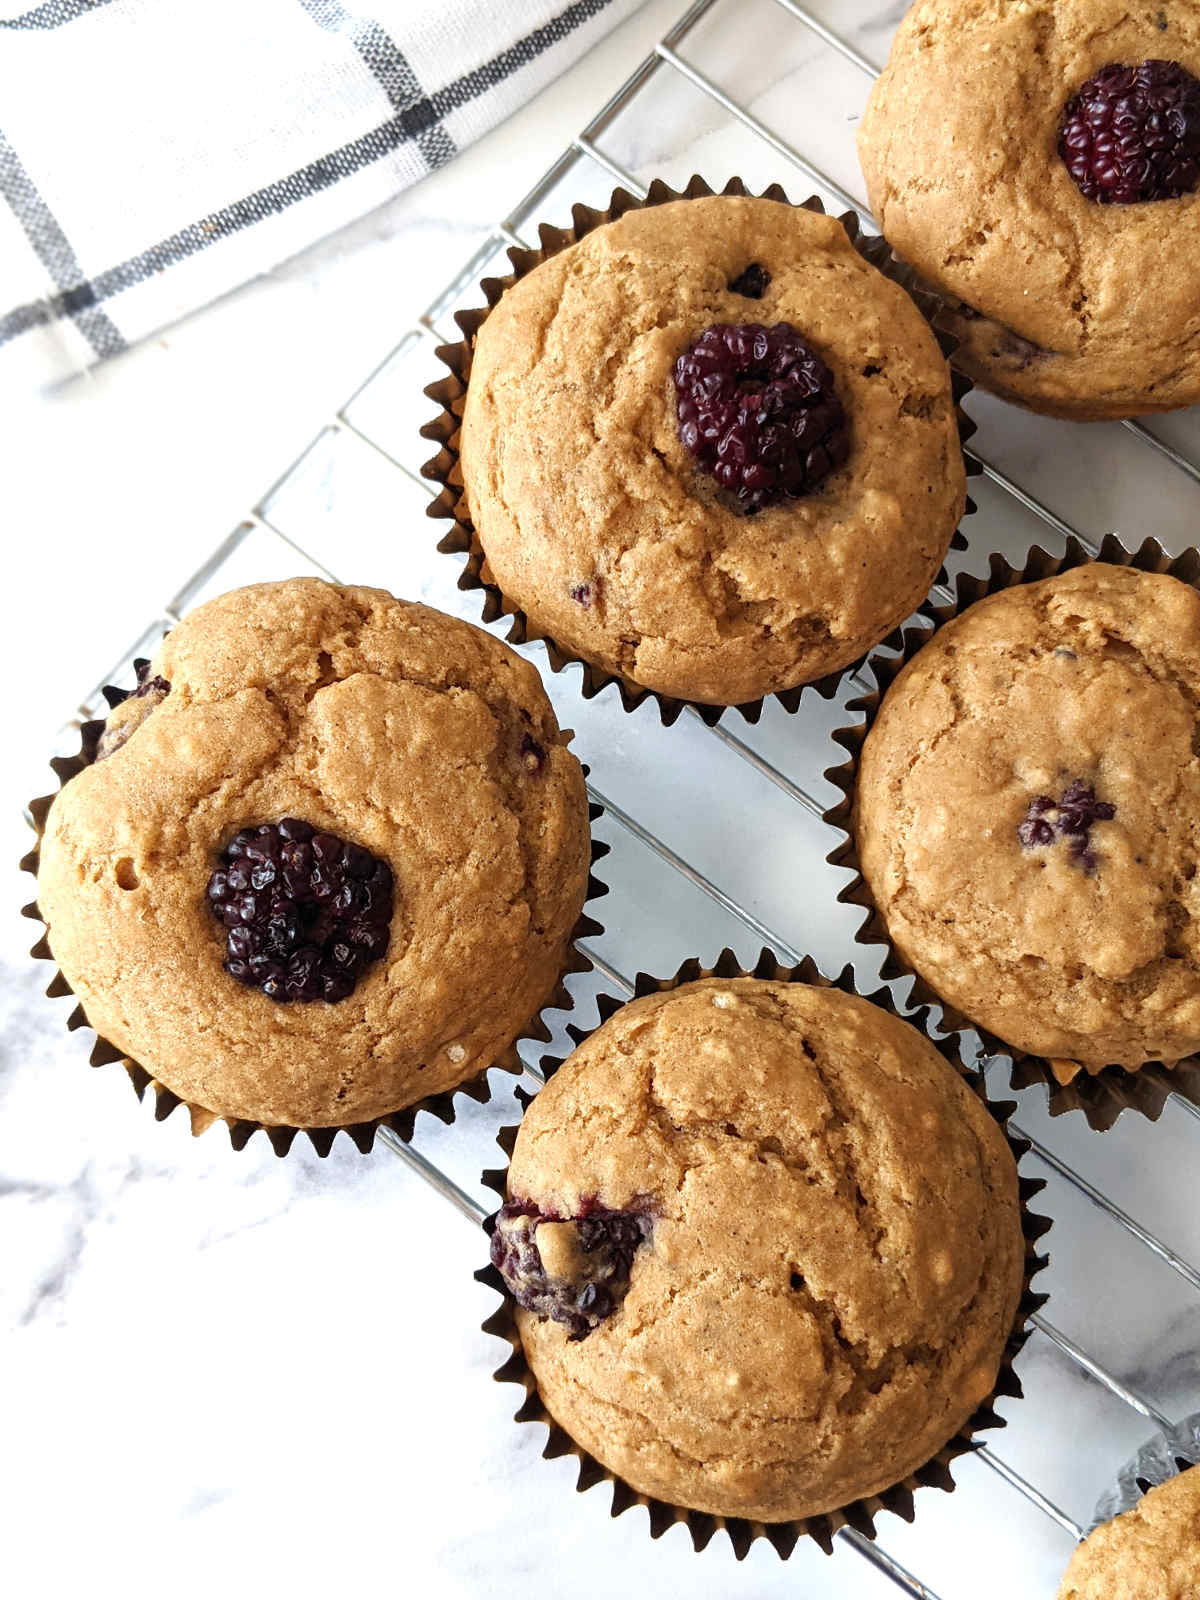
[[228, 1371]]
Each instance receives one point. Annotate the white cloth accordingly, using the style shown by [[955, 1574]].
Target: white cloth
[[156, 153]]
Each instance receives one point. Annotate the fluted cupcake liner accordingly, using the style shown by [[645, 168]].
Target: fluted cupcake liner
[[450, 392], [282, 1136], [1160, 1459], [1102, 1095], [858, 1515]]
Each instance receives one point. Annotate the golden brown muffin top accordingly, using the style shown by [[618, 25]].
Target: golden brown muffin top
[[592, 514], [959, 145], [1149, 1553], [384, 723], [1086, 946], [835, 1252]]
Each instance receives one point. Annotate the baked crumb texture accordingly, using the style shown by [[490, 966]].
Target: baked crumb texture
[[590, 521], [386, 723], [1071, 307], [835, 1278], [1083, 965], [1149, 1553]]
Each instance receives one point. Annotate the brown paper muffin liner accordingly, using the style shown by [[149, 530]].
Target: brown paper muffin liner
[[1102, 1095], [450, 392], [282, 1136], [859, 1515]]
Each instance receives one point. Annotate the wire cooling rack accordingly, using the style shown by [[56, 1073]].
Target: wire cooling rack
[[716, 833]]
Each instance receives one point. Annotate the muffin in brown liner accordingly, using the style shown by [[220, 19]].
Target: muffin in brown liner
[[450, 394], [1123, 1552], [859, 1515], [1101, 1095], [282, 1136], [1160, 1459]]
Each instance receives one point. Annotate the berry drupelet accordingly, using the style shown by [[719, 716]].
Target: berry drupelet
[[1132, 134], [577, 1272], [753, 283], [306, 912], [758, 411]]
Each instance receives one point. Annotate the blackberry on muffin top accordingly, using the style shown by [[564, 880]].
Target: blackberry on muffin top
[[1040, 163], [711, 449], [1027, 816], [765, 1245], [327, 862]]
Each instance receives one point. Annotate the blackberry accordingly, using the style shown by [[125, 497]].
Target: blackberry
[[752, 283], [1132, 134], [306, 912], [757, 411], [1069, 818], [600, 1247]]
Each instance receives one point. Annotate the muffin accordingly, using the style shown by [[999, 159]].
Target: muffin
[[1149, 1553], [766, 1248], [1027, 811], [328, 859], [710, 449], [1040, 162]]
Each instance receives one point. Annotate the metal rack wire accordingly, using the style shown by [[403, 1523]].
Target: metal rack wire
[[318, 478]]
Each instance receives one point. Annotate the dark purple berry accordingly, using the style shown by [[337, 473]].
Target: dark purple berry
[[600, 1252], [758, 412], [533, 757], [1069, 818], [307, 912], [347, 902], [752, 283], [594, 1301], [1132, 134], [1034, 831], [359, 863], [369, 937], [581, 593]]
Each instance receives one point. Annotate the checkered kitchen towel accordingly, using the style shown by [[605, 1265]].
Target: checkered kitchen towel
[[156, 153]]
